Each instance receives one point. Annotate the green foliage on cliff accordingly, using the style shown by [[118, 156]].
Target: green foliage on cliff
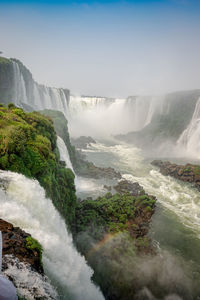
[[81, 166], [33, 244], [4, 60], [110, 231], [28, 146], [61, 128], [111, 213]]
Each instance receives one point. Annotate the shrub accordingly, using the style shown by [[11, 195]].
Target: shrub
[[28, 146]]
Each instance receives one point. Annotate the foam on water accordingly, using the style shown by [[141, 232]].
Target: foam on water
[[176, 196], [25, 205]]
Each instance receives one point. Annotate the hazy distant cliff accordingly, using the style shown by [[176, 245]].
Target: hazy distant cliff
[[18, 86]]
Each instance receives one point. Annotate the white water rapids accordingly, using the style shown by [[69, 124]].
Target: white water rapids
[[176, 196], [24, 204]]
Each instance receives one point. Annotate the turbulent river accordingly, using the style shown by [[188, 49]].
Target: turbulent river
[[175, 227]]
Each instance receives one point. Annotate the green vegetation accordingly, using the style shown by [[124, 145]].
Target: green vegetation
[[111, 213], [33, 244], [186, 169], [108, 232], [197, 170], [81, 166], [61, 128], [4, 60], [21, 298], [28, 146]]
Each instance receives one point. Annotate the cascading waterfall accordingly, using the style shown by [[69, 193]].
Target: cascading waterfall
[[190, 138], [24, 204], [19, 86], [106, 116], [37, 96], [64, 154], [98, 116], [84, 186]]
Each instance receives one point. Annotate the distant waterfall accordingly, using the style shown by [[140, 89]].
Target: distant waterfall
[[107, 116], [87, 115], [20, 95], [190, 138], [28, 92], [64, 154], [24, 204]]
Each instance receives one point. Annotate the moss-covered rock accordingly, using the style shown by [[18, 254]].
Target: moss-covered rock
[[28, 146], [111, 232], [187, 173]]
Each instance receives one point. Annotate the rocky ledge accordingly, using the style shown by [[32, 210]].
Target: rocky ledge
[[88, 169], [112, 233], [22, 245], [187, 173], [22, 264], [133, 188], [82, 142]]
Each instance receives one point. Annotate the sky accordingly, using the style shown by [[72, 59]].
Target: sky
[[106, 48]]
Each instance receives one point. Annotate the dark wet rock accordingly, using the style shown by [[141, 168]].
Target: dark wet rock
[[125, 186], [187, 173], [107, 187], [29, 283], [15, 243], [85, 168], [82, 142], [88, 169]]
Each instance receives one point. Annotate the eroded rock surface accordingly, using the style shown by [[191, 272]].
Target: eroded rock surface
[[187, 173], [14, 242]]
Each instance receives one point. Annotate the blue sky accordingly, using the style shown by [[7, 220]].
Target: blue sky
[[114, 48]]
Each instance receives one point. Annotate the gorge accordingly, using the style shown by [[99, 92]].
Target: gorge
[[128, 133]]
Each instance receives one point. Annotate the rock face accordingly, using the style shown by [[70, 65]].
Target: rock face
[[112, 233], [88, 169], [125, 186], [187, 173], [15, 242], [21, 264], [82, 142]]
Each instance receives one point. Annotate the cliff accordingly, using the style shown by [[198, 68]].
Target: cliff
[[168, 123], [111, 232], [187, 173], [18, 86], [28, 146], [22, 261], [81, 166], [6, 80]]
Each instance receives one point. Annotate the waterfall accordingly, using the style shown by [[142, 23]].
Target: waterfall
[[64, 154], [24, 204], [38, 97], [19, 86], [87, 115], [107, 116], [189, 140]]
